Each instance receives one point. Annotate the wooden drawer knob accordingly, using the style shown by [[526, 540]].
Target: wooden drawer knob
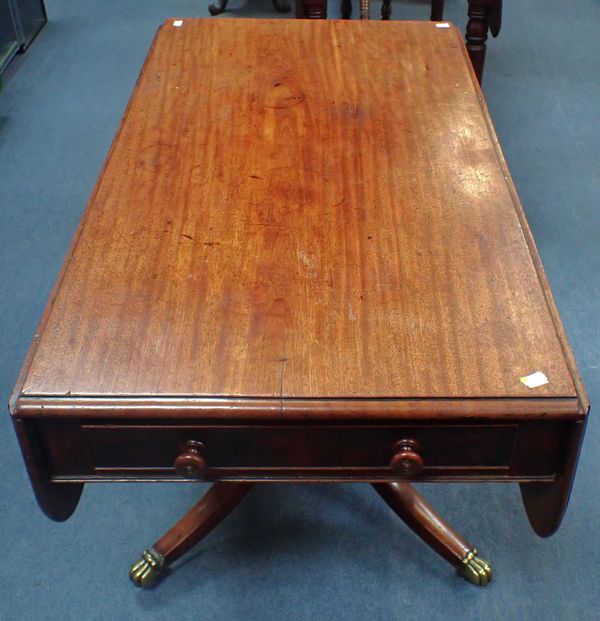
[[406, 461], [191, 463]]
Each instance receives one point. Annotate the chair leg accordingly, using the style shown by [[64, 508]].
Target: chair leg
[[412, 508], [283, 6], [478, 25], [365, 9], [386, 9], [346, 9], [311, 9], [437, 10], [219, 7], [220, 500]]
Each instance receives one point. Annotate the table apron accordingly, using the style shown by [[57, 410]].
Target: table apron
[[102, 450]]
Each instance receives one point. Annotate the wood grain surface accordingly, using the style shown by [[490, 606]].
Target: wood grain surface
[[296, 209]]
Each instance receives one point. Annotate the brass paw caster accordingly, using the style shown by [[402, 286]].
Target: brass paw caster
[[145, 572], [475, 569]]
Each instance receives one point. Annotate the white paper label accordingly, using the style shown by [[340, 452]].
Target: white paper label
[[534, 380], [178, 23]]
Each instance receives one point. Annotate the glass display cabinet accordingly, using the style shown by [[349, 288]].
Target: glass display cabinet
[[20, 21]]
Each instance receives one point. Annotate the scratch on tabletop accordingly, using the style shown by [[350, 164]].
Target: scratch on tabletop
[[330, 281], [351, 315], [282, 360], [123, 237]]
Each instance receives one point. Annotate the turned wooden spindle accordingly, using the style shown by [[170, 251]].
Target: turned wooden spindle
[[365, 6], [484, 16]]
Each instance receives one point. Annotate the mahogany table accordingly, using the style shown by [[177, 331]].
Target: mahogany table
[[298, 271]]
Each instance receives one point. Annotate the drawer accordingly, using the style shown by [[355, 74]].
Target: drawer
[[299, 450], [122, 450]]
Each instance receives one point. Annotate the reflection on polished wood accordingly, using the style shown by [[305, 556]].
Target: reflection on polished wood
[[484, 16]]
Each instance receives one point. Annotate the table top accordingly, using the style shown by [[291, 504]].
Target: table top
[[303, 219]]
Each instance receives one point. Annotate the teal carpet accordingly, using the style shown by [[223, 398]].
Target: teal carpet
[[305, 552]]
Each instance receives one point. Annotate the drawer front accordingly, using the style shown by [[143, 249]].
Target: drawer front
[[256, 451]]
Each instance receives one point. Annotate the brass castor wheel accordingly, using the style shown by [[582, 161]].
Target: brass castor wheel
[[147, 570], [475, 569]]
